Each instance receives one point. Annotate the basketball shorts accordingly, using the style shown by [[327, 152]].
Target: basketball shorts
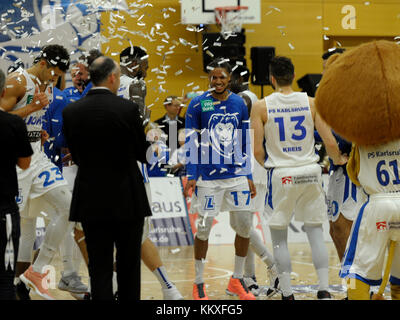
[[343, 196], [222, 195], [377, 222], [41, 177], [295, 191]]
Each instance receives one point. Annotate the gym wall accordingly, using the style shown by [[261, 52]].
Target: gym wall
[[299, 29]]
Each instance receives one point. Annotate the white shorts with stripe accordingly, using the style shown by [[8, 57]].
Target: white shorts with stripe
[[41, 177], [295, 191], [377, 222], [212, 197], [343, 196]]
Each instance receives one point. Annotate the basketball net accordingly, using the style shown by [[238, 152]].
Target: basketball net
[[230, 19]]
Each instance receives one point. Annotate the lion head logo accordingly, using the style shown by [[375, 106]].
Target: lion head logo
[[222, 133]]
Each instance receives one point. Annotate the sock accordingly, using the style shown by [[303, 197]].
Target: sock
[[115, 283], [285, 285], [199, 267], [161, 275], [239, 267], [268, 259], [44, 258], [323, 276], [249, 266]]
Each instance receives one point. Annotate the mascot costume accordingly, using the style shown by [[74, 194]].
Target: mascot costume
[[359, 97]]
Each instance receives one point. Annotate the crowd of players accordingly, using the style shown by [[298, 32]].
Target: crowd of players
[[277, 173]]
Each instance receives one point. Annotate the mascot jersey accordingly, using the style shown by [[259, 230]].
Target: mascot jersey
[[289, 131], [217, 144], [35, 119]]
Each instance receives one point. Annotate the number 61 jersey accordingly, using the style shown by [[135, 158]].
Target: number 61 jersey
[[289, 131], [379, 167]]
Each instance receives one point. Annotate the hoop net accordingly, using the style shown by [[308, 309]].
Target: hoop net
[[230, 18]]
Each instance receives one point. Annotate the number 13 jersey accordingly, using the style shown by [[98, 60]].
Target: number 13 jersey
[[289, 131], [379, 168]]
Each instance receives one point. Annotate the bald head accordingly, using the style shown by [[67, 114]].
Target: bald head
[[105, 72]]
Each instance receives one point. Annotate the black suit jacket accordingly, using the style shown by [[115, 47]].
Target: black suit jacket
[[163, 122], [105, 136]]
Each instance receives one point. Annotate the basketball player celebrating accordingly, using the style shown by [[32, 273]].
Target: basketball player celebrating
[[134, 65], [286, 119], [28, 93], [219, 171]]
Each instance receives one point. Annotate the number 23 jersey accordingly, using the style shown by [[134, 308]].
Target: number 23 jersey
[[379, 168], [289, 131]]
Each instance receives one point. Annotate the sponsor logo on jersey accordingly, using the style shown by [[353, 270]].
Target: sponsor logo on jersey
[[207, 105], [29, 99], [287, 180], [381, 226]]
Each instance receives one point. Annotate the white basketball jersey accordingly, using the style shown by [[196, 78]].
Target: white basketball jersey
[[379, 168], [34, 120], [251, 95], [289, 131], [123, 90]]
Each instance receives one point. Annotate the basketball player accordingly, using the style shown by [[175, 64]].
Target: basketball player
[[376, 169], [286, 119], [219, 171], [239, 85], [28, 93], [134, 65], [344, 198]]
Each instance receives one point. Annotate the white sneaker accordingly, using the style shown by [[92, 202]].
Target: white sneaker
[[273, 281], [252, 285], [172, 294]]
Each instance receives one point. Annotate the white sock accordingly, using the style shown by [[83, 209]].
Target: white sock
[[199, 268], [285, 285], [161, 275], [115, 283], [239, 267], [249, 267], [44, 258], [267, 258], [323, 276]]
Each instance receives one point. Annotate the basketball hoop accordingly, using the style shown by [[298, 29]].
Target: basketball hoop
[[230, 18]]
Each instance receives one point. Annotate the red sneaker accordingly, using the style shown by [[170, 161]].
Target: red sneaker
[[37, 282], [198, 292], [238, 287]]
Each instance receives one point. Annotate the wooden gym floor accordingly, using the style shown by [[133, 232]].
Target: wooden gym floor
[[219, 266]]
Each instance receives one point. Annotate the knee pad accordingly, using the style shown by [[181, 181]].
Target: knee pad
[[395, 291], [60, 198], [204, 225], [241, 222]]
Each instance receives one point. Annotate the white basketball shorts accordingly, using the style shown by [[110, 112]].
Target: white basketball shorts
[[222, 195], [343, 196], [377, 222], [258, 202], [38, 179], [296, 191]]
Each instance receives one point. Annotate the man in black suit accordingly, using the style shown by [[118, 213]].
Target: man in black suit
[[171, 122], [105, 136]]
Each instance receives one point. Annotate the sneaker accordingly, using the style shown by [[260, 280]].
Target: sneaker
[[72, 283], [199, 292], [81, 296], [273, 281], [22, 291], [291, 297], [172, 294], [237, 287], [35, 281], [324, 295], [251, 284]]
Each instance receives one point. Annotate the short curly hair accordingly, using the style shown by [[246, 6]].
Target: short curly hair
[[55, 56]]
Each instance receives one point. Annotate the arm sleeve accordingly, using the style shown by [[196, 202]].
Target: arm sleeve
[[192, 129]]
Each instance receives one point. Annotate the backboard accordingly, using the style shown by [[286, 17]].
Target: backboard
[[202, 11]]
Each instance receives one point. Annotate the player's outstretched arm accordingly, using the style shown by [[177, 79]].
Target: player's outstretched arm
[[258, 117]]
